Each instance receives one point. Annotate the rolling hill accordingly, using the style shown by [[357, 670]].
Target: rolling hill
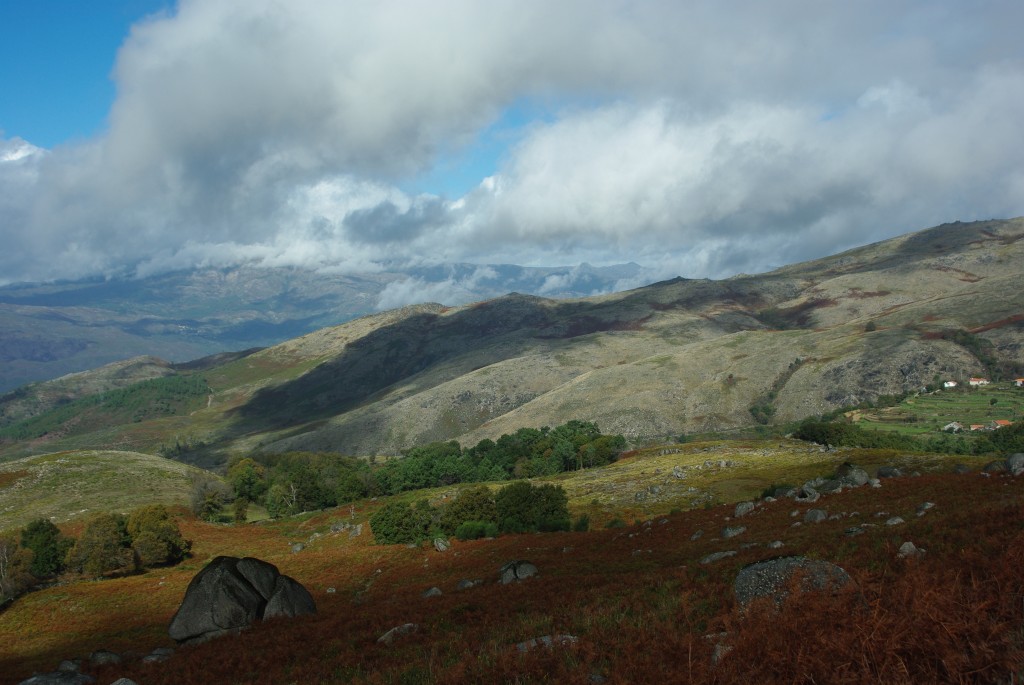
[[674, 357]]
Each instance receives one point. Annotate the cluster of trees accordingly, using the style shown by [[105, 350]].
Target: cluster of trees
[[474, 513], [294, 482], [109, 543]]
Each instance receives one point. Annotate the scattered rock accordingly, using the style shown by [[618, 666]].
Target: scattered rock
[[888, 472], [775, 544], [396, 632], [743, 508], [442, 544], [298, 547], [995, 467], [432, 592], [331, 590], [677, 472], [717, 556], [465, 583], [731, 532], [807, 494], [852, 476], [70, 666], [961, 469], [830, 487], [909, 550], [875, 483], [894, 521], [771, 578], [103, 657], [696, 535], [720, 652], [229, 594], [124, 681], [921, 510], [1015, 463], [815, 516], [59, 678], [853, 531], [515, 571], [356, 531], [546, 641]]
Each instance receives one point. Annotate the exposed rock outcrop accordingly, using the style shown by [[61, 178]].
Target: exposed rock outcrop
[[772, 578]]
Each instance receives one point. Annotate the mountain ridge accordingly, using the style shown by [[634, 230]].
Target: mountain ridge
[[679, 356]]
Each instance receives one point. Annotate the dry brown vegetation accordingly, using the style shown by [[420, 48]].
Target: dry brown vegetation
[[638, 599]]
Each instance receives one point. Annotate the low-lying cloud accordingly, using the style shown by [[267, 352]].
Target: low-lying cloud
[[699, 140]]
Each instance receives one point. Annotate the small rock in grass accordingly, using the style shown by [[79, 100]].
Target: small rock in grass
[[894, 521], [717, 556], [815, 516]]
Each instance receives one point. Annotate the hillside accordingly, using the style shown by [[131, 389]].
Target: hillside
[[71, 485], [680, 356], [643, 603], [52, 329]]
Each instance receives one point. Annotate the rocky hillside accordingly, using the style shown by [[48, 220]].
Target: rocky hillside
[[674, 357]]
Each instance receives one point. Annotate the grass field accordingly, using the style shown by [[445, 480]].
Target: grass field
[[928, 413]]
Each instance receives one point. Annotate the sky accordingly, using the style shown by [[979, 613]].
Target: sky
[[701, 139]]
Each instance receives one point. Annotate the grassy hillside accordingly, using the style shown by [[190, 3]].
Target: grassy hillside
[[639, 600], [69, 485]]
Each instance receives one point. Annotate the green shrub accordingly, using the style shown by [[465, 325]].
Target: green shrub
[[398, 522], [615, 523], [474, 530], [471, 504], [581, 524], [522, 507]]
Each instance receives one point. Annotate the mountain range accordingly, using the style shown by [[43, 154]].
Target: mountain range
[[51, 329], [673, 357]]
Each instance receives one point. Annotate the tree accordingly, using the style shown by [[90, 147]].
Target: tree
[[155, 536], [104, 547], [14, 563], [47, 545], [248, 479], [209, 497]]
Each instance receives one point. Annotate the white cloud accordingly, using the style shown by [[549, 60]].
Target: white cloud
[[704, 138]]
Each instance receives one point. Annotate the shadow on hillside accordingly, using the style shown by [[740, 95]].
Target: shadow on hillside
[[454, 344]]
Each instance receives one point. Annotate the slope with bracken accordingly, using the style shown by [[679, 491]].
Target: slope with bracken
[[643, 603]]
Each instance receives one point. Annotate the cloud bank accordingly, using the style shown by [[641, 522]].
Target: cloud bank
[[700, 139]]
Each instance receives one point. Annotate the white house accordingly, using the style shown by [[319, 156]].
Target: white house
[[1019, 382], [953, 427], [977, 381], [949, 384]]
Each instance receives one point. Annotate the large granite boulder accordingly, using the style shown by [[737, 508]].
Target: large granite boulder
[[230, 594], [773, 578]]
